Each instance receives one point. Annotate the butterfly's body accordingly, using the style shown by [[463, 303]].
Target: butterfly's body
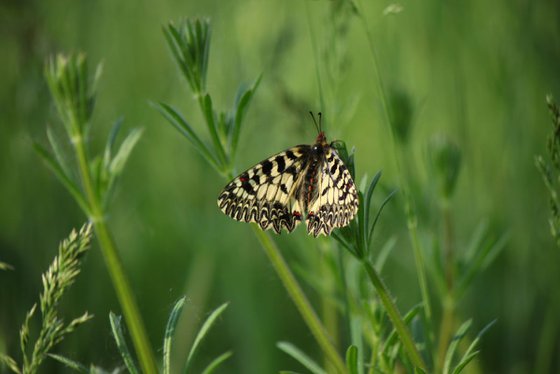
[[308, 181]]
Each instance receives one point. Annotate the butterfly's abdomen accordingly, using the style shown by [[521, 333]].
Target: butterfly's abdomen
[[309, 186]]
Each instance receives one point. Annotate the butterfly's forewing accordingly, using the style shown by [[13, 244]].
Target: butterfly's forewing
[[336, 201], [265, 193]]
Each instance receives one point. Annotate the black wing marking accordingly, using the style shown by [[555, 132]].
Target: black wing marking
[[265, 193], [337, 200]]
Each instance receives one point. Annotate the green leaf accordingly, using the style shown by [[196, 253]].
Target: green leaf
[[58, 152], [369, 195], [118, 162], [116, 326], [461, 332], [208, 110], [384, 253], [62, 177], [170, 332], [471, 353], [352, 359], [392, 339], [187, 131], [301, 357], [387, 199], [203, 331], [111, 139], [241, 106], [75, 365], [216, 362]]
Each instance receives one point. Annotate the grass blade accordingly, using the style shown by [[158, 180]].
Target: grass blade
[[170, 332], [240, 109], [300, 357], [208, 111], [75, 365], [118, 162], [369, 194], [62, 177], [461, 332], [387, 199], [203, 331], [471, 353], [216, 362], [187, 131], [116, 326], [352, 359]]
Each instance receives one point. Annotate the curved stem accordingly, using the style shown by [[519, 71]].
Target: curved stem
[[296, 294], [395, 316], [114, 266]]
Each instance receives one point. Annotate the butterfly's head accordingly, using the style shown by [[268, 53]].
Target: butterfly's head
[[321, 139]]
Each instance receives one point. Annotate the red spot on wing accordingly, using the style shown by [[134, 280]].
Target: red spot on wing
[[243, 179]]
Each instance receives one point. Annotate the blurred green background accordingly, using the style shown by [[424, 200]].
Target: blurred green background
[[475, 71]]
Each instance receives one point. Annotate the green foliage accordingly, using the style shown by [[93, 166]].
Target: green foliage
[[388, 77], [550, 169], [74, 96], [56, 281], [168, 340]]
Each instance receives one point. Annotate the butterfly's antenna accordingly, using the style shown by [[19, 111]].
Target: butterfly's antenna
[[317, 125]]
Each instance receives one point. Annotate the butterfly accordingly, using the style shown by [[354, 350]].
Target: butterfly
[[305, 182]]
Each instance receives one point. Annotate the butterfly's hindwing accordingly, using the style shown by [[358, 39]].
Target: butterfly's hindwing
[[265, 193], [336, 201]]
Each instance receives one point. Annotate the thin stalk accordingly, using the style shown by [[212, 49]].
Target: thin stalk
[[448, 319], [395, 316], [410, 212], [330, 315], [298, 297], [114, 266]]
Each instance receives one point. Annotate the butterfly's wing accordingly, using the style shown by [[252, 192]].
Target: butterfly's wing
[[266, 193], [336, 202]]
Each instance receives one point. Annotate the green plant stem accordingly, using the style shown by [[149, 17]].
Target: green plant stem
[[299, 298], [446, 331], [114, 266], [394, 315], [410, 212], [448, 319]]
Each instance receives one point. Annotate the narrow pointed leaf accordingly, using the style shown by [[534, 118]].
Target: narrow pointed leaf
[[387, 199], [208, 110], [116, 326], [186, 130], [464, 362], [75, 365], [170, 332], [393, 336], [471, 353], [240, 109], [62, 177], [352, 359], [301, 357], [384, 253], [118, 162], [203, 331], [216, 362], [58, 151], [461, 332], [108, 155], [369, 195]]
